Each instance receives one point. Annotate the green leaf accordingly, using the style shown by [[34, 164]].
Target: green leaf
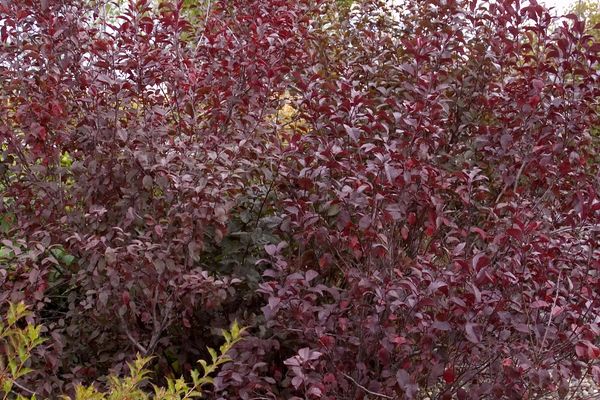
[[213, 354], [204, 366], [16, 312], [181, 385], [195, 376], [235, 330], [7, 386], [226, 335], [22, 353], [22, 372], [68, 259], [12, 366]]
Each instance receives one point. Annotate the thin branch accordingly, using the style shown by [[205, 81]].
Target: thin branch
[[384, 396], [578, 386], [519, 176], [160, 327], [571, 228], [516, 184], [132, 339], [552, 309], [23, 388]]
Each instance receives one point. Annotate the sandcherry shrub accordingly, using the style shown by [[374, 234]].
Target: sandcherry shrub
[[444, 212]]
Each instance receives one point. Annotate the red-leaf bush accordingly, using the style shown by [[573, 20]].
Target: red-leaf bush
[[400, 201]]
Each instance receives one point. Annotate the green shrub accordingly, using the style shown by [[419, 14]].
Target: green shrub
[[18, 342], [131, 387]]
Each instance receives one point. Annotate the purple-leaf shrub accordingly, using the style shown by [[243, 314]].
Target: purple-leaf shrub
[[399, 201]]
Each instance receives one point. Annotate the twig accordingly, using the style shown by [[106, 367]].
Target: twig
[[132, 339], [571, 228], [515, 184], [385, 396], [519, 176], [23, 388], [552, 310], [159, 327], [577, 387]]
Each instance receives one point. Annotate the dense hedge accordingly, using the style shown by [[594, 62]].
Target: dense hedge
[[398, 201]]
